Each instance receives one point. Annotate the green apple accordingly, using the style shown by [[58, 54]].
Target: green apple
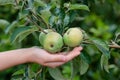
[[73, 37], [53, 42], [42, 35]]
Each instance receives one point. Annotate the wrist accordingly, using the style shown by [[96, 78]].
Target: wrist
[[26, 54], [31, 54]]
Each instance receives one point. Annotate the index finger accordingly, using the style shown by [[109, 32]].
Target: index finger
[[74, 53]]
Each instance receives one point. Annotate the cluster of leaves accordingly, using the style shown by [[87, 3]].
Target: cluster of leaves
[[36, 15]]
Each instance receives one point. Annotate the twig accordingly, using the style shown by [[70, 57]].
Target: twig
[[39, 18], [114, 46], [39, 27], [36, 25]]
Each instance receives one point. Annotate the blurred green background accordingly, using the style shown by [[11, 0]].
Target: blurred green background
[[102, 22]]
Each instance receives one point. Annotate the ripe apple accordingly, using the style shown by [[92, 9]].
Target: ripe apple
[[42, 35], [53, 42], [73, 37]]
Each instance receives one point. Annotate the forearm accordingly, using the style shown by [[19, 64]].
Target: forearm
[[13, 57]]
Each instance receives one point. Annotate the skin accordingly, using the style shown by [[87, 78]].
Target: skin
[[36, 55]]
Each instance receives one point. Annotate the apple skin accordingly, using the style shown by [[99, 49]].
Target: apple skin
[[73, 37], [53, 42], [42, 35]]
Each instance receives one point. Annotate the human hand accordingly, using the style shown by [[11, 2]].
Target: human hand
[[44, 58]]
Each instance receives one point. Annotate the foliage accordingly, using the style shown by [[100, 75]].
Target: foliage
[[99, 20]]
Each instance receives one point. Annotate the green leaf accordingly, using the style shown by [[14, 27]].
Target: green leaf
[[19, 72], [39, 3], [56, 74], [30, 4], [4, 2], [104, 63], [85, 57], [23, 14], [72, 16], [102, 46], [75, 65], [11, 26], [20, 32], [117, 38], [45, 14], [83, 66], [17, 78], [78, 6], [66, 20], [3, 23], [52, 20], [24, 36]]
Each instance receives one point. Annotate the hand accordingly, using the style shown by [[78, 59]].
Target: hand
[[44, 58]]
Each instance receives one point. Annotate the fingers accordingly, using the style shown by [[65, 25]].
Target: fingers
[[59, 59], [53, 64], [75, 52], [56, 58], [64, 58], [78, 48]]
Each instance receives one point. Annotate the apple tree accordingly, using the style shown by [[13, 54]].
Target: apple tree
[[99, 24]]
